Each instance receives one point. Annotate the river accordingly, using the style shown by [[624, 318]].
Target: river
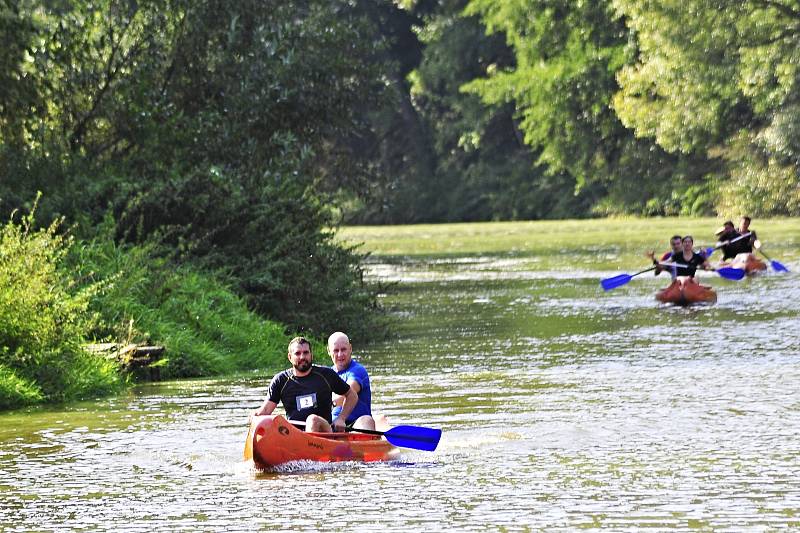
[[562, 408]]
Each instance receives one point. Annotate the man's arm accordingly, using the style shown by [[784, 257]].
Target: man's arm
[[354, 385], [350, 401], [266, 408]]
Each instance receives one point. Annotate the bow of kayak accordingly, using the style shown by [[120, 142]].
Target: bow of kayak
[[272, 440], [684, 291], [747, 262]]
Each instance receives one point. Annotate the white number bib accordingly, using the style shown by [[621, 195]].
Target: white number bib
[[307, 401]]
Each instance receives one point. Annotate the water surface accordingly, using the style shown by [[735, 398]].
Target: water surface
[[563, 408]]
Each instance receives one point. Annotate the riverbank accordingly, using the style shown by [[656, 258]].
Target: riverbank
[[58, 296]]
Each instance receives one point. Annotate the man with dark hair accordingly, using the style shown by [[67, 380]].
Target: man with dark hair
[[675, 243], [746, 244], [306, 391], [725, 235]]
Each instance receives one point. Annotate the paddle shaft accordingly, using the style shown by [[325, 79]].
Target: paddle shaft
[[645, 270], [679, 265], [740, 237], [416, 437], [367, 431], [765, 255], [735, 274], [776, 265]]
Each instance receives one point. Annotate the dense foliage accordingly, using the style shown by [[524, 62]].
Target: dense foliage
[[58, 295], [226, 141], [43, 319], [213, 126], [720, 79], [205, 328], [205, 118], [236, 135], [659, 107], [481, 168]]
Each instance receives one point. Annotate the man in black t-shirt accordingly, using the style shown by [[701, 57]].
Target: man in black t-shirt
[[725, 235], [306, 391], [746, 244], [676, 248]]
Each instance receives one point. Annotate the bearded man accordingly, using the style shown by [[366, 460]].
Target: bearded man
[[306, 391]]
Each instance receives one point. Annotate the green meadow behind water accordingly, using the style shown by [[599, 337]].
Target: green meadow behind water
[[595, 244]]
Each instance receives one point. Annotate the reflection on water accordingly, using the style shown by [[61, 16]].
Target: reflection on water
[[563, 408]]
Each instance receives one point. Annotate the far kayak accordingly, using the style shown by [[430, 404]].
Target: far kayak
[[685, 291], [272, 441], [747, 262]]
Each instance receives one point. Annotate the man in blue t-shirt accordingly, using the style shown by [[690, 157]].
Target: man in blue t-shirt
[[355, 375]]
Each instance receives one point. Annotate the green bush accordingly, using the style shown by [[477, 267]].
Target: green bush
[[16, 391], [43, 318], [204, 325]]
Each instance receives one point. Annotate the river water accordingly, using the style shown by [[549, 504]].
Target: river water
[[563, 408]]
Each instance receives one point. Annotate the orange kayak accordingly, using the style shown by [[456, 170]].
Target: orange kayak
[[684, 291], [272, 440], [747, 262]]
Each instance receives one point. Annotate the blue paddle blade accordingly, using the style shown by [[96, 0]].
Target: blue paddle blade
[[778, 267], [616, 281], [708, 252], [417, 437], [731, 273]]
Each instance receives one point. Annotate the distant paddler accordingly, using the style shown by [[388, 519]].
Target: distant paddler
[[746, 245], [738, 245], [676, 246], [684, 289], [727, 240], [688, 261]]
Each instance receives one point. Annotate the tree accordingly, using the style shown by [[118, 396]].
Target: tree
[[720, 78], [484, 169], [213, 126], [567, 55]]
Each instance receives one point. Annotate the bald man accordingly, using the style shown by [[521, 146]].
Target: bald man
[[355, 375]]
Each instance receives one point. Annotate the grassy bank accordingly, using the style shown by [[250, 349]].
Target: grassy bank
[[204, 325], [606, 243], [44, 316], [57, 295]]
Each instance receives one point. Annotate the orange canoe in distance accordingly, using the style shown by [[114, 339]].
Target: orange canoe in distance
[[682, 291], [747, 262], [272, 441]]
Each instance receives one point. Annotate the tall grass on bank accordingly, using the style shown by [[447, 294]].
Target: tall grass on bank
[[204, 325], [57, 295], [43, 320]]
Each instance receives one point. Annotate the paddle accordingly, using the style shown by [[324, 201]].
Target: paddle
[[710, 250], [735, 274], [776, 266], [417, 437], [620, 280], [726, 272]]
